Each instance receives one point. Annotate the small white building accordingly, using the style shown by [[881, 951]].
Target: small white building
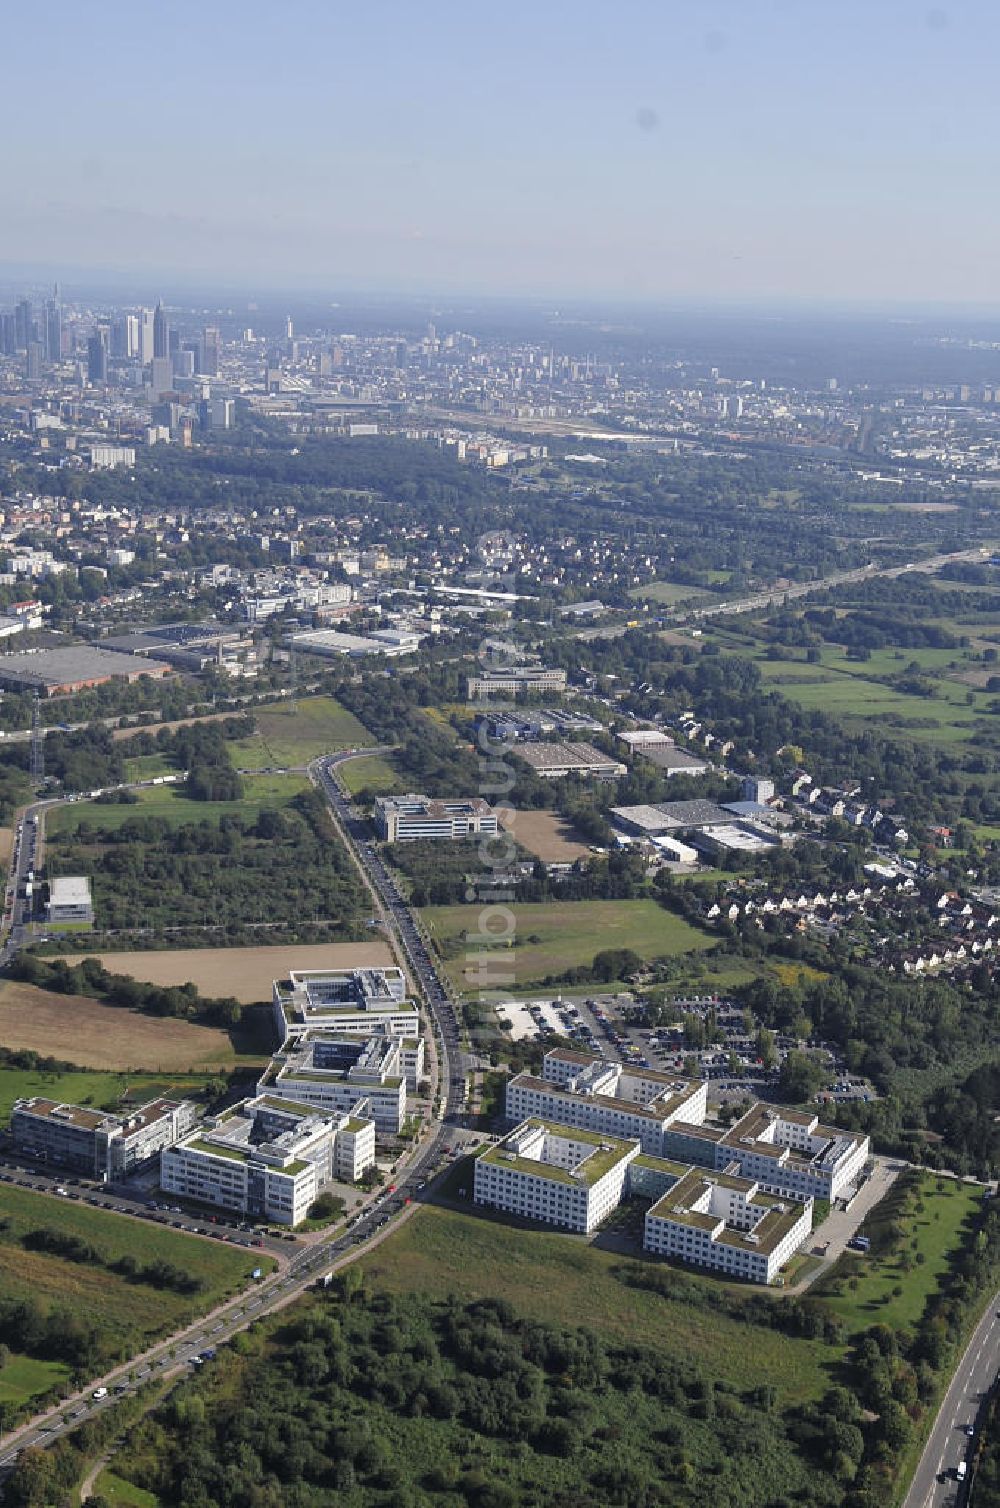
[[70, 900]]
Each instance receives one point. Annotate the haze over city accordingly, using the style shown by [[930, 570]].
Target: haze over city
[[652, 151]]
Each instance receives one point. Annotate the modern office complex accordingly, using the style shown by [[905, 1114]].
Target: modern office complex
[[336, 1073], [578, 1090], [268, 1157], [555, 1173], [100, 1145], [344, 1000], [414, 819], [729, 1224], [787, 1152]]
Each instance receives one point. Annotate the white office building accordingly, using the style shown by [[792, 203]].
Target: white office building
[[332, 1072], [556, 1174], [728, 1224], [415, 819], [268, 1157], [344, 1000]]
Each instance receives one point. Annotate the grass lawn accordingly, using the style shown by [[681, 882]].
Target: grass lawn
[[22, 1377], [147, 766], [553, 936], [289, 735], [128, 1313], [121, 1494], [667, 593], [170, 803], [861, 1289], [375, 772], [565, 1281]]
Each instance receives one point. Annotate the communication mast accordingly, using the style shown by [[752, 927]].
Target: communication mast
[[37, 744]]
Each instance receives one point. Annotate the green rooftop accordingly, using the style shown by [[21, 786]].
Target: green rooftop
[[216, 1149]]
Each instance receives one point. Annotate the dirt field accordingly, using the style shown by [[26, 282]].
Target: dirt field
[[82, 1031], [6, 845], [549, 836], [246, 973]]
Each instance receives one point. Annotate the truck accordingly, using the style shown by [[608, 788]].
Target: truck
[[960, 1471]]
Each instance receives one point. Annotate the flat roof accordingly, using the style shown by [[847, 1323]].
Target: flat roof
[[69, 890], [74, 662]]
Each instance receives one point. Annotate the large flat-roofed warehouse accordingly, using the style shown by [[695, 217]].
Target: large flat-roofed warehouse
[[552, 761], [188, 646], [670, 817], [54, 672]]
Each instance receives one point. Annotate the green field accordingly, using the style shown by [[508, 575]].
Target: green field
[[288, 735], [22, 1377], [121, 1494], [374, 772], [564, 1280], [861, 1289], [102, 1090], [170, 803], [553, 936], [667, 593], [147, 766], [128, 1314]]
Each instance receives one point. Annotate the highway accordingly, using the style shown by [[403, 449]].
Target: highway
[[935, 1483], [323, 1256]]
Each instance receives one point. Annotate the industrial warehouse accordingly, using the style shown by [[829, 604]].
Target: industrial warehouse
[[75, 667]]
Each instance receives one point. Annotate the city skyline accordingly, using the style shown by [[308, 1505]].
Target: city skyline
[[675, 153]]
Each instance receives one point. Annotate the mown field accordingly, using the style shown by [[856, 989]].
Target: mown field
[[372, 772], [564, 1280], [288, 735], [77, 1029], [169, 803], [553, 936], [246, 973], [667, 593], [893, 1289]]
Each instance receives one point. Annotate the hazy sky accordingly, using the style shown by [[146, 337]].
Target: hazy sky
[[835, 149]]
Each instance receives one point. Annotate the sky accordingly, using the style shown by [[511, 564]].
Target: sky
[[720, 150]]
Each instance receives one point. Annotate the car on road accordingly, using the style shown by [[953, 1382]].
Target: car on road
[[99, 1393]]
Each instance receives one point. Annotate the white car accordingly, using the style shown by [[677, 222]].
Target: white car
[[99, 1393]]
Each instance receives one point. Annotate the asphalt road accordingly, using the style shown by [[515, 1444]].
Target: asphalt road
[[934, 1482], [313, 1262]]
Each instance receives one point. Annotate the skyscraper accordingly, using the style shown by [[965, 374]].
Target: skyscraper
[[145, 351], [33, 360], [97, 357], [23, 322], [161, 334], [8, 335], [53, 330], [210, 351]]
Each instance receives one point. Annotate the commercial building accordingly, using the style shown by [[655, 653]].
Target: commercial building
[[515, 680], [69, 900], [100, 1145], [344, 1000], [673, 761], [332, 1072], [787, 1151], [728, 1224], [669, 817], [268, 1157], [606, 1098], [186, 646], [412, 819], [331, 644], [733, 838], [54, 672], [553, 761], [555, 1173]]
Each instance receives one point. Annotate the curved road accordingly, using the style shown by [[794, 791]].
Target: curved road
[[324, 1256]]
